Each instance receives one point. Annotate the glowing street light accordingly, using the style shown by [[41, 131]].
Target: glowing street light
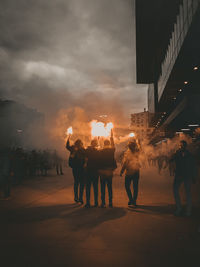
[[185, 82], [195, 68]]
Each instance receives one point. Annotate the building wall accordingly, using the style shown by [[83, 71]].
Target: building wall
[[140, 124]]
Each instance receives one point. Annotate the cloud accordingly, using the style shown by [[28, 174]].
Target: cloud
[[57, 53]]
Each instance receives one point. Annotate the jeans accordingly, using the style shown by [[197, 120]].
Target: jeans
[[128, 180], [176, 186], [92, 179], [106, 180], [78, 174]]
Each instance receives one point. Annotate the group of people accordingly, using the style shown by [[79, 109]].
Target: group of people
[[16, 165], [90, 164]]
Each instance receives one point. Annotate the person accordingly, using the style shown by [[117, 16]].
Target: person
[[107, 164], [131, 167], [184, 173], [57, 163], [77, 163], [5, 171], [92, 156]]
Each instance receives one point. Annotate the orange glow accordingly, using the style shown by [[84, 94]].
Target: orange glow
[[131, 135], [69, 131], [100, 129]]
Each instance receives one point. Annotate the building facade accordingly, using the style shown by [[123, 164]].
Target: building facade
[[170, 62], [140, 124]]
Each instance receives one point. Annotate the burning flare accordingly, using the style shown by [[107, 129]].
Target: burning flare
[[69, 131], [100, 129], [131, 135]]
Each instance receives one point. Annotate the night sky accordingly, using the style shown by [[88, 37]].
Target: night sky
[[64, 53]]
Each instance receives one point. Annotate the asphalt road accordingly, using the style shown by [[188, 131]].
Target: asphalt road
[[41, 226]]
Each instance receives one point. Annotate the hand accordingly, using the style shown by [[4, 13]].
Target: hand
[[121, 174]]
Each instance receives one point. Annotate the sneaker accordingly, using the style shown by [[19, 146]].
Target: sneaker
[[76, 200], [87, 206], [130, 203], [110, 205], [96, 205], [103, 205], [81, 202]]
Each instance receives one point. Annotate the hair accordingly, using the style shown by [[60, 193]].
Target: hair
[[183, 142], [94, 142], [106, 142], [78, 143], [133, 146]]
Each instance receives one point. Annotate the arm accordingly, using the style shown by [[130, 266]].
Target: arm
[[112, 140], [123, 168], [68, 147]]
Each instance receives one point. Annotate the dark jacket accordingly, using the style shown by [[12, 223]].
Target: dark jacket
[[92, 155], [77, 156], [185, 164]]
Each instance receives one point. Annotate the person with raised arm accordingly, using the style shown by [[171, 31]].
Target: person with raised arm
[[77, 161]]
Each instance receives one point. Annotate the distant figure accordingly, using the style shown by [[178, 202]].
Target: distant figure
[[131, 166], [92, 175], [77, 163], [57, 163], [5, 171], [184, 173], [107, 165]]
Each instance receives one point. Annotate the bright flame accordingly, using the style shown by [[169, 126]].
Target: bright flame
[[69, 131], [100, 129], [131, 135]]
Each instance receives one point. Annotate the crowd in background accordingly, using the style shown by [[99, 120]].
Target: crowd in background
[[17, 164]]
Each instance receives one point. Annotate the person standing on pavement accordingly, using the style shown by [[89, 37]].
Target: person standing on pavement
[[5, 172], [185, 170], [107, 164], [77, 160], [131, 167], [92, 175]]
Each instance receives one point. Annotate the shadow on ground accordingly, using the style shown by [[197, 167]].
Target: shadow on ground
[[77, 217]]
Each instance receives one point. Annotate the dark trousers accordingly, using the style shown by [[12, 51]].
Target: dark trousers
[[6, 187], [176, 186], [59, 169], [135, 179], [92, 179], [106, 180], [78, 174]]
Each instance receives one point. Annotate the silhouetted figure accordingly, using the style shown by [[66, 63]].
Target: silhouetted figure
[[184, 173], [5, 170], [107, 164], [18, 166], [131, 166], [57, 163], [92, 175], [77, 163]]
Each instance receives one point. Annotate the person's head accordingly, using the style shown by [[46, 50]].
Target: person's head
[[78, 143], [94, 143], [183, 144], [132, 146], [106, 143]]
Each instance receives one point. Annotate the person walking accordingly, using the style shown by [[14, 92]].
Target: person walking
[[131, 167], [185, 169], [107, 164], [92, 175], [77, 161]]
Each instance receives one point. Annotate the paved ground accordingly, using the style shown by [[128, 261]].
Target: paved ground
[[41, 226]]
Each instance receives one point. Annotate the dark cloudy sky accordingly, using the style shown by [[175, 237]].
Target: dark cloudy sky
[[62, 52]]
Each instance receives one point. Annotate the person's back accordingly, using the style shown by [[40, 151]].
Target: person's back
[[92, 155]]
